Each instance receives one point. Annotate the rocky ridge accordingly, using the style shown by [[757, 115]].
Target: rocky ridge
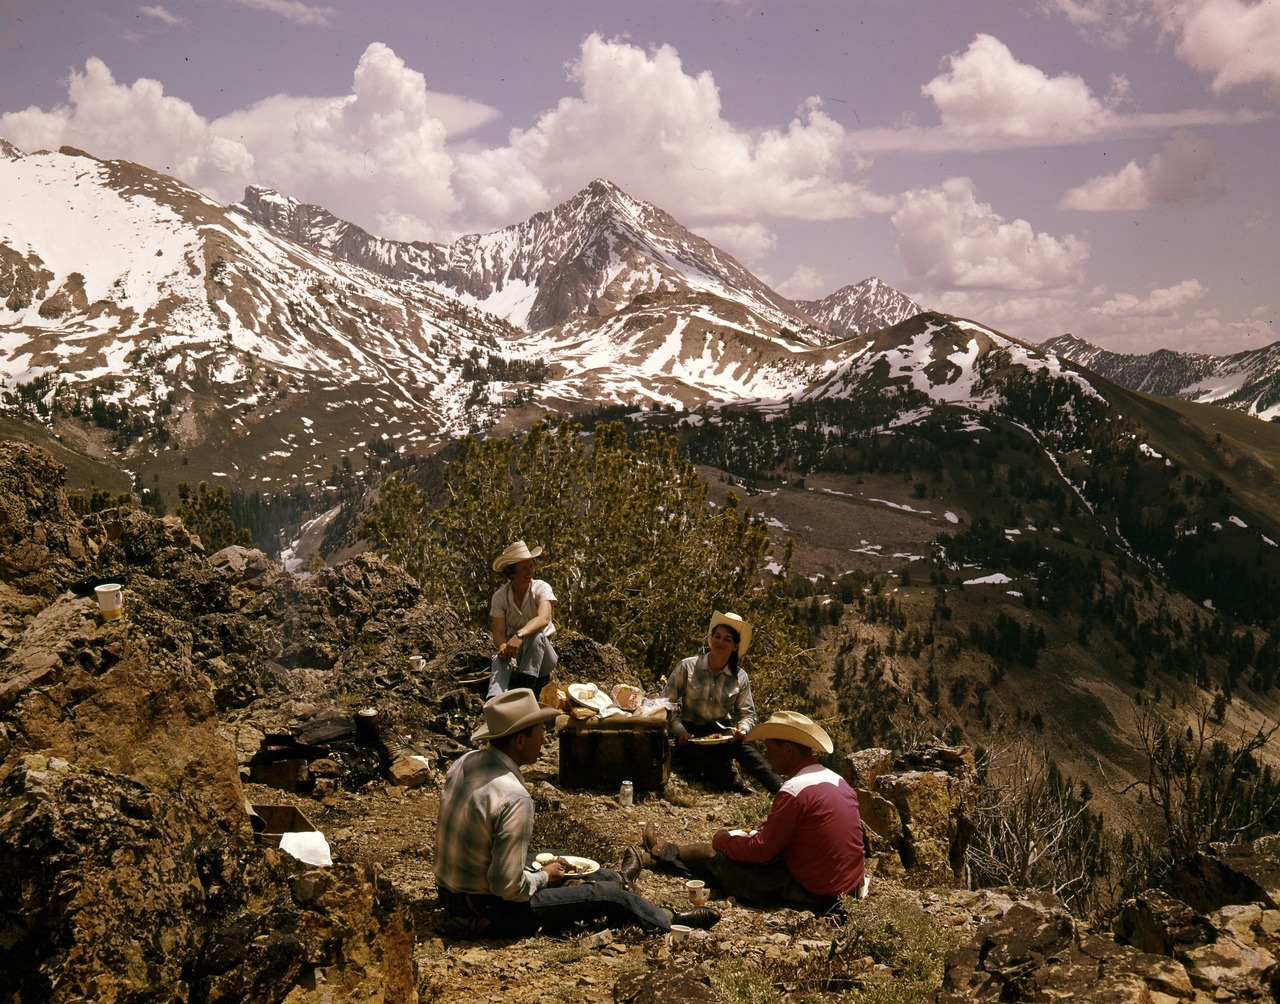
[[130, 748], [1245, 381]]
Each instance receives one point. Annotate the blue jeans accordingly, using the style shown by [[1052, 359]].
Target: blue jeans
[[598, 898], [536, 659]]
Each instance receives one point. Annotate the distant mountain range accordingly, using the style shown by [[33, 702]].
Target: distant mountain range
[[1245, 381]]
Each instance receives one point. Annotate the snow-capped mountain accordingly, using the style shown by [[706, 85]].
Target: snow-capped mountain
[[861, 308], [1246, 381], [591, 255], [185, 327], [126, 294]]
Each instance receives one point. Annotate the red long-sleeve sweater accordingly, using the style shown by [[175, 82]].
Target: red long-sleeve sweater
[[814, 824]]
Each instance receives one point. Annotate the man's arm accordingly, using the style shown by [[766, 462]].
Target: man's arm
[[512, 831], [775, 833]]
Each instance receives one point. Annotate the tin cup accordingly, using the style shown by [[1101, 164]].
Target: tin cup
[[110, 600], [698, 892], [679, 933]]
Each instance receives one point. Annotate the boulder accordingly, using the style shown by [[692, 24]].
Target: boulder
[[1156, 922], [862, 767]]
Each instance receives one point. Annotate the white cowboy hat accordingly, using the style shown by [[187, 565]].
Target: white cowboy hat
[[519, 551], [589, 696], [511, 712], [735, 622], [794, 728]]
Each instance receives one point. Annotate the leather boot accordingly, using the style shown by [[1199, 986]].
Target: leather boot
[[700, 916], [631, 867]]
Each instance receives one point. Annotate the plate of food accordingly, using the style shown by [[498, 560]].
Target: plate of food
[[712, 740], [574, 866]]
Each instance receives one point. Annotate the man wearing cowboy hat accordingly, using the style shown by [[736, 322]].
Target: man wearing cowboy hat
[[714, 709], [809, 850], [483, 831], [520, 612]]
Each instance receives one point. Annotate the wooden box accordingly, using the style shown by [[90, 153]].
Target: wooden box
[[606, 753], [271, 822]]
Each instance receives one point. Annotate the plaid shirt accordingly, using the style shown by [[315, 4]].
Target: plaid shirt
[[702, 697], [483, 829]]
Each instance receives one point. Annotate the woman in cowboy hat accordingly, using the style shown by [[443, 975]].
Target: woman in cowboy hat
[[483, 829], [712, 695], [810, 849], [520, 612]]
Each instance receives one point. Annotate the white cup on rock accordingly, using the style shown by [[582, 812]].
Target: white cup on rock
[[110, 600], [680, 932]]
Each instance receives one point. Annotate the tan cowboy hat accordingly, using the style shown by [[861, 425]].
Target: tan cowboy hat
[[735, 622], [794, 728], [518, 551], [510, 712], [589, 696]]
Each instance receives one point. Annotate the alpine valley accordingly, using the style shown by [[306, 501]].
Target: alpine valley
[[991, 541]]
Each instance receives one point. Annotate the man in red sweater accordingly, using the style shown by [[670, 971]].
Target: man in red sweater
[[809, 850]]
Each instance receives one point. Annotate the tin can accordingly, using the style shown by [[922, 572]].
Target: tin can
[[627, 793]]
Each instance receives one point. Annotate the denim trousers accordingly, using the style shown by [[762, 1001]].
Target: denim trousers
[[600, 897], [537, 658]]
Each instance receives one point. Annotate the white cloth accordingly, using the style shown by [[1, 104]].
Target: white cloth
[[516, 615], [307, 845]]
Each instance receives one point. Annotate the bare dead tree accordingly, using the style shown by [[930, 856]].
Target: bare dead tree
[[1026, 814], [1207, 788]]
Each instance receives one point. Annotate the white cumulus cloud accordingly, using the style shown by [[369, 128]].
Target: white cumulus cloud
[[642, 121], [1168, 302], [1180, 173], [988, 93], [1238, 41], [949, 240]]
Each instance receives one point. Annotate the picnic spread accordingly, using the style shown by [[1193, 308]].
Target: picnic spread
[[610, 736]]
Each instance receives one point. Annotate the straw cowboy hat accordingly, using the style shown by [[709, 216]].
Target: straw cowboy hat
[[518, 551], [509, 713], [735, 622], [794, 728]]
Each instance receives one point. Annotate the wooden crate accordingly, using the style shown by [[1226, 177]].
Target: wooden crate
[[275, 821], [604, 755]]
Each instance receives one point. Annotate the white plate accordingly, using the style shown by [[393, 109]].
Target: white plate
[[710, 740], [582, 867]]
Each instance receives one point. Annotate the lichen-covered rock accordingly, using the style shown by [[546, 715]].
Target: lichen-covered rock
[[117, 893], [928, 803]]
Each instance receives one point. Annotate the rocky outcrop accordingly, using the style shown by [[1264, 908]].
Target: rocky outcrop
[[914, 805], [128, 868]]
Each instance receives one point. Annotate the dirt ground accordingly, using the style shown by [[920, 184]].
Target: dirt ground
[[393, 830]]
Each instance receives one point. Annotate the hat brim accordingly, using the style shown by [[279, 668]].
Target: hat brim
[[543, 714], [503, 560], [816, 740]]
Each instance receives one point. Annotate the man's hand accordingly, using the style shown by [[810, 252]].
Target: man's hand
[[682, 738], [738, 732], [512, 647], [555, 872]]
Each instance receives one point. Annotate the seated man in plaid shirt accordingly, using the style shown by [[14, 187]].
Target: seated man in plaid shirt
[[714, 710], [485, 823]]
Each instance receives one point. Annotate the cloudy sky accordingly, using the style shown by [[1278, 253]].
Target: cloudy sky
[[1103, 167]]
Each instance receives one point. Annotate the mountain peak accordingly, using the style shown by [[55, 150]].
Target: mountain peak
[[861, 308]]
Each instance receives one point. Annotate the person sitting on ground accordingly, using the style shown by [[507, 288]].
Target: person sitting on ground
[[482, 863], [809, 850], [712, 697], [520, 612]]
